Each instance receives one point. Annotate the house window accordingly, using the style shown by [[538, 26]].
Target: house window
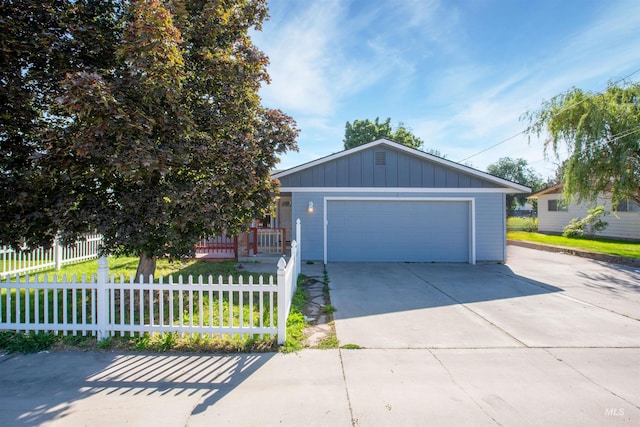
[[556, 206], [628, 206], [381, 158]]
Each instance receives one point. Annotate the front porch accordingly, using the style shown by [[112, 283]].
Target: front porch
[[264, 244], [268, 238]]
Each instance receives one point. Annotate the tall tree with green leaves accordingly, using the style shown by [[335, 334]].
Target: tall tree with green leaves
[[42, 41], [365, 131], [516, 170], [601, 134], [169, 142]]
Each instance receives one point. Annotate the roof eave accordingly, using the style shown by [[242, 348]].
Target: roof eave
[[544, 191]]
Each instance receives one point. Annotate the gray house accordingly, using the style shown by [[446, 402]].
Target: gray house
[[383, 201]]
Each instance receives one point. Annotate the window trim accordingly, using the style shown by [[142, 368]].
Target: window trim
[[558, 205]]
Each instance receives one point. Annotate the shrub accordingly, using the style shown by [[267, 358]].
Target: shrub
[[522, 224], [17, 342], [587, 226]]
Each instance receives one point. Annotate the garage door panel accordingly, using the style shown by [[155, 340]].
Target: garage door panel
[[419, 231]]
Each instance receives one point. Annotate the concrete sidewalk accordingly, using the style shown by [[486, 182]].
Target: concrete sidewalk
[[585, 387], [107, 389]]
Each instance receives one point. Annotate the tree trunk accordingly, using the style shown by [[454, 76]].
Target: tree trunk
[[146, 267]]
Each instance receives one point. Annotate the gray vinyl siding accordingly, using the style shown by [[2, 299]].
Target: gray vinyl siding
[[401, 170], [490, 228]]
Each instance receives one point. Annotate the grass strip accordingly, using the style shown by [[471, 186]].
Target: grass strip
[[598, 245]]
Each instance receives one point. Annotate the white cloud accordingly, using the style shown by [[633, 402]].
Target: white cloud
[[299, 48], [432, 20], [322, 53]]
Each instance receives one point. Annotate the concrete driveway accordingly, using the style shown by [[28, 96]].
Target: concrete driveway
[[547, 339], [538, 299]]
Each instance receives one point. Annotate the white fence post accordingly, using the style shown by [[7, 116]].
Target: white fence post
[[296, 266], [102, 298], [57, 253], [298, 247], [282, 302]]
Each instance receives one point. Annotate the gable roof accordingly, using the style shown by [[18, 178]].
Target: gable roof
[[508, 186]]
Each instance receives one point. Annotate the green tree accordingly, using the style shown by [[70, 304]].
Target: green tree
[[168, 142], [365, 131], [516, 170], [601, 133], [42, 41]]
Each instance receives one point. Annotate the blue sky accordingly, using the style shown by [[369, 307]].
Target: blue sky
[[458, 73]]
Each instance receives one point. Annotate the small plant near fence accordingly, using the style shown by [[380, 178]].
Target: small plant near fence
[[296, 322]]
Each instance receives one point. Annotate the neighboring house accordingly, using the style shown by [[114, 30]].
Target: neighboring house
[[554, 215], [383, 201], [525, 210]]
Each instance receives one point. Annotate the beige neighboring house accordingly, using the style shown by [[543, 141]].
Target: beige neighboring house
[[554, 215]]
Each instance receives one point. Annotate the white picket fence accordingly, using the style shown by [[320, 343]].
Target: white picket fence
[[38, 259], [103, 306]]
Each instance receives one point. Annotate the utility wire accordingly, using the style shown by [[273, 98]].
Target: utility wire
[[558, 112], [626, 133], [493, 146]]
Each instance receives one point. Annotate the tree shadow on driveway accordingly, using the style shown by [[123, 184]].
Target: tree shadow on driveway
[[625, 279]]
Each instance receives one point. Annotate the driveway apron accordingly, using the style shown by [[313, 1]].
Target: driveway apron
[[406, 305], [394, 305]]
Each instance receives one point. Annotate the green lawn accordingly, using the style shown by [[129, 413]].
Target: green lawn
[[127, 267], [605, 246], [60, 303]]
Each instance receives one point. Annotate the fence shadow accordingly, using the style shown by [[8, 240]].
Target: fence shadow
[[41, 388]]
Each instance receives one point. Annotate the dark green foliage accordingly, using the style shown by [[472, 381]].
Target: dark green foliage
[[365, 131], [601, 132], [516, 170], [42, 42], [17, 342], [138, 120]]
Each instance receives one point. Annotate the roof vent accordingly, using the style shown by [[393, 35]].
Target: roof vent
[[381, 158]]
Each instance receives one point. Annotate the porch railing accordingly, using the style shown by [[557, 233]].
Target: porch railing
[[268, 240], [218, 245]]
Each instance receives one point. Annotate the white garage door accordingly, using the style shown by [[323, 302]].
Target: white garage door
[[397, 230]]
